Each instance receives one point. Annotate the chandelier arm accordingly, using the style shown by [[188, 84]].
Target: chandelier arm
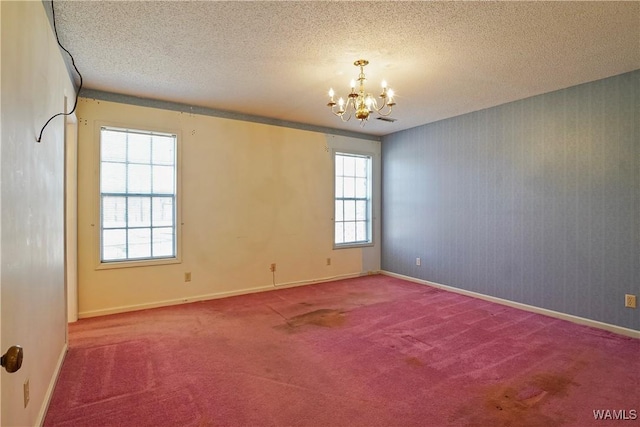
[[338, 113], [342, 117], [350, 107], [384, 104], [341, 114], [387, 113]]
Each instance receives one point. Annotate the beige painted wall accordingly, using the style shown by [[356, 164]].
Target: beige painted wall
[[32, 308], [251, 195]]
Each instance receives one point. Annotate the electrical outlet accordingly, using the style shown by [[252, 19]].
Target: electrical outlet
[[187, 276], [25, 388], [273, 267], [328, 261], [418, 262], [630, 301]]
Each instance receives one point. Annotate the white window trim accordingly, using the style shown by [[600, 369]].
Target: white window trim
[[97, 238], [370, 183]]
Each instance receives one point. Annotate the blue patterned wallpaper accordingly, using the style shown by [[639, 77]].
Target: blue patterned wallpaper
[[536, 201]]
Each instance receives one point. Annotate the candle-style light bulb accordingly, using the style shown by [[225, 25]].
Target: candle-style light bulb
[[331, 93], [391, 102], [353, 85], [384, 89]]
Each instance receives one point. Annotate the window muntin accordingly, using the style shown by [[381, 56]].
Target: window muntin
[[138, 181], [352, 200]]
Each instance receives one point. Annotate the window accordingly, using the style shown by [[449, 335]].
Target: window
[[138, 180], [352, 199]]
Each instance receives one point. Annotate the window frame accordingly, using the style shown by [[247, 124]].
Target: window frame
[[370, 194], [97, 223]]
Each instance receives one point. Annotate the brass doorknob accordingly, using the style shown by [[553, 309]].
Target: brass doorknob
[[12, 359]]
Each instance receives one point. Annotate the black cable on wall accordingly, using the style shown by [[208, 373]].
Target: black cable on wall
[[55, 30]]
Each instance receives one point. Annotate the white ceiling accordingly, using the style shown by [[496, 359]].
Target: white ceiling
[[278, 59]]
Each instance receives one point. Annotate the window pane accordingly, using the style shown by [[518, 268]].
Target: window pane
[[163, 242], [163, 181], [114, 245], [113, 177], [361, 210], [139, 146], [349, 210], [361, 188], [163, 211], [139, 212], [139, 242], [163, 150], [339, 165], [113, 146], [339, 211], [361, 166], [339, 187], [349, 187], [114, 210], [349, 232], [139, 178], [349, 166], [339, 232], [361, 231]]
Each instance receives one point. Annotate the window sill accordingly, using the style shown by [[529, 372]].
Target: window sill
[[353, 245], [141, 263]]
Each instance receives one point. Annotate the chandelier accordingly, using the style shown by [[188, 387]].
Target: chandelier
[[359, 102]]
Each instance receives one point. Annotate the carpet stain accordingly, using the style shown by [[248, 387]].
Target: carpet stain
[[206, 422], [324, 317], [413, 361], [360, 294], [363, 299], [520, 403]]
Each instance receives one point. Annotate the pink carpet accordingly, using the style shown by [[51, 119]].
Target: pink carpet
[[372, 351]]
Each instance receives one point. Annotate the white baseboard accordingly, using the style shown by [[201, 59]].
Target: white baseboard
[[322, 280], [52, 385], [215, 295], [559, 315]]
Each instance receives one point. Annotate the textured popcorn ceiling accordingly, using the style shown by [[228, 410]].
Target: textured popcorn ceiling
[[278, 59]]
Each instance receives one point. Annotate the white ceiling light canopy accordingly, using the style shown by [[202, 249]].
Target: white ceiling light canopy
[[361, 103]]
